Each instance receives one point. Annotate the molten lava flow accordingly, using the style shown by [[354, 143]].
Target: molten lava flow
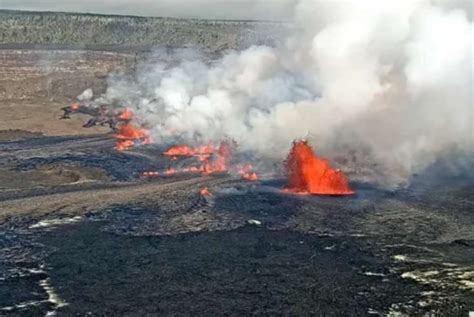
[[205, 192], [247, 173], [170, 171], [213, 160], [123, 145], [221, 161], [201, 152], [309, 174], [151, 174], [75, 106], [125, 115], [128, 135], [192, 169]]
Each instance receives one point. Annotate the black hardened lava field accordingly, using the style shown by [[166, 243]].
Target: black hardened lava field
[[299, 158], [124, 244]]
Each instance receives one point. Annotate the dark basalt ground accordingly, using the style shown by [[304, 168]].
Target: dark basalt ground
[[248, 270], [107, 242]]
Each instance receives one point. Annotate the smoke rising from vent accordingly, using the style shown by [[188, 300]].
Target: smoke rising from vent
[[388, 82]]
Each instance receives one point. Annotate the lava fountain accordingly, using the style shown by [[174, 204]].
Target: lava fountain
[[308, 174]]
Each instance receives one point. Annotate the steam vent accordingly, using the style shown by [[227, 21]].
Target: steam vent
[[236, 158]]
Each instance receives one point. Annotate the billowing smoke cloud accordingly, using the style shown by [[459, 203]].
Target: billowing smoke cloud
[[389, 82]]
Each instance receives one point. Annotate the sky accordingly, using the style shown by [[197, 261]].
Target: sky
[[209, 9]]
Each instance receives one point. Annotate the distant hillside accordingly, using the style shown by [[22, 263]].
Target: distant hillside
[[103, 31]]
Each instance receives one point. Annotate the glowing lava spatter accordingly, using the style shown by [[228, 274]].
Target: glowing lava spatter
[[311, 175], [205, 192], [247, 173], [128, 135]]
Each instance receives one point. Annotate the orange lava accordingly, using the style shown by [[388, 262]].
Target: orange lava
[[205, 192], [128, 135], [75, 106], [151, 174], [213, 160], [201, 152], [192, 169], [125, 115], [221, 161], [186, 150], [247, 173], [250, 176], [123, 145], [170, 171], [308, 174]]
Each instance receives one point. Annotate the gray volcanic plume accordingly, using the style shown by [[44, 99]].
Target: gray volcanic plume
[[388, 81]]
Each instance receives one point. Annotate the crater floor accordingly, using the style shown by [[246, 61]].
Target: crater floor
[[82, 232]]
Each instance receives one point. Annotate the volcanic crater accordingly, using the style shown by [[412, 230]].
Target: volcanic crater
[[86, 229]]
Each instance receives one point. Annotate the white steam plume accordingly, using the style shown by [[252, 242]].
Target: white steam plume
[[394, 78]]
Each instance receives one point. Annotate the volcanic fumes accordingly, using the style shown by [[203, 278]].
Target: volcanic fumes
[[308, 174]]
